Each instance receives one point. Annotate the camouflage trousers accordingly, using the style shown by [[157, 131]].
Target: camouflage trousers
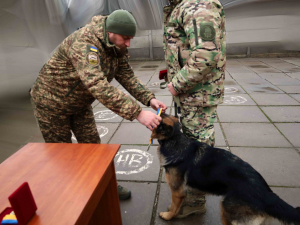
[[56, 128], [198, 124]]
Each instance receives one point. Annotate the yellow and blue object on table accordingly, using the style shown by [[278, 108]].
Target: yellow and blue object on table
[[9, 219]]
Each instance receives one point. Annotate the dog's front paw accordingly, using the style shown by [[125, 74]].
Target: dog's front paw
[[166, 215]]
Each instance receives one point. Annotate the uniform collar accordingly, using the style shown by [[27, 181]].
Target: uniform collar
[[105, 36], [175, 2], [172, 4]]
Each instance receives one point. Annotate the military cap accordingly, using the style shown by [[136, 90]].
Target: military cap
[[121, 22]]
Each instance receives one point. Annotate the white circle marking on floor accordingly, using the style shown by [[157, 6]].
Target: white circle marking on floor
[[101, 130], [131, 161], [105, 115], [231, 90], [154, 84], [234, 100]]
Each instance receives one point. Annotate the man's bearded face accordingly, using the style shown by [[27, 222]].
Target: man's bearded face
[[121, 41]]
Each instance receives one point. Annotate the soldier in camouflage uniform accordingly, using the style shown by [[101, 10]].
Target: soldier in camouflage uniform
[[194, 44], [80, 71]]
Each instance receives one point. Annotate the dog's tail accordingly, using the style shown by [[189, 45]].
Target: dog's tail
[[279, 209]]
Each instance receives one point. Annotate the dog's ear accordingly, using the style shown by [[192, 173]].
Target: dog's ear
[[160, 129], [164, 129], [168, 130], [163, 115]]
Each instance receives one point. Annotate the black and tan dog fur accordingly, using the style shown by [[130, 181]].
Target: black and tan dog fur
[[247, 198]]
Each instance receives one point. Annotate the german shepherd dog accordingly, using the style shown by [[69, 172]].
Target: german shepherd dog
[[247, 198]]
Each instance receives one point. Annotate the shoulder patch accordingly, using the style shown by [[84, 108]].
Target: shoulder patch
[[170, 24], [207, 32], [90, 48], [93, 49], [92, 59]]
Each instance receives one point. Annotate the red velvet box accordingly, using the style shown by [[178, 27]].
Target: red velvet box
[[162, 74]]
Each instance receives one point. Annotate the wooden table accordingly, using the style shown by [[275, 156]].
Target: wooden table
[[71, 183]]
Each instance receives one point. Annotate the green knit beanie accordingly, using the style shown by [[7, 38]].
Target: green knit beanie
[[121, 22]]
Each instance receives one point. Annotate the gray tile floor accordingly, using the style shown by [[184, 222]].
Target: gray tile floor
[[259, 121]]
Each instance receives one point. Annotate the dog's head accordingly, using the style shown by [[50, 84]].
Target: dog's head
[[168, 127]]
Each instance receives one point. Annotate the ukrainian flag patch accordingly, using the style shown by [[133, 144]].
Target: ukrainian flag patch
[[93, 49]]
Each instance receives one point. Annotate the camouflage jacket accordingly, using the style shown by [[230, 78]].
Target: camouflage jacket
[[80, 71], [194, 44]]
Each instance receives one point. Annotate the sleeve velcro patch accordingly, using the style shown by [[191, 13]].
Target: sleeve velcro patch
[[170, 24], [207, 32]]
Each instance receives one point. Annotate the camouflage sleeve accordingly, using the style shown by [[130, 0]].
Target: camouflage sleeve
[[132, 84], [203, 32], [88, 67]]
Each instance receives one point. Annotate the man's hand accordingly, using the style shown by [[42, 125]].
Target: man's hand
[[171, 89], [149, 119], [155, 104]]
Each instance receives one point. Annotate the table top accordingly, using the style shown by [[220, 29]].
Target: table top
[[62, 177]]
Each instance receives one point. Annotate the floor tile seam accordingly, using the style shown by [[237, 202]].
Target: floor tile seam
[[115, 131], [246, 146], [261, 78], [294, 147], [282, 89], [255, 102], [275, 67], [241, 56], [243, 89], [293, 97], [277, 85], [247, 122], [263, 113], [248, 67], [242, 63], [222, 105], [150, 79], [290, 62], [278, 105], [156, 199], [281, 186], [286, 73], [261, 122], [143, 62], [273, 123], [171, 108], [270, 82], [260, 108], [223, 132], [286, 122]]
